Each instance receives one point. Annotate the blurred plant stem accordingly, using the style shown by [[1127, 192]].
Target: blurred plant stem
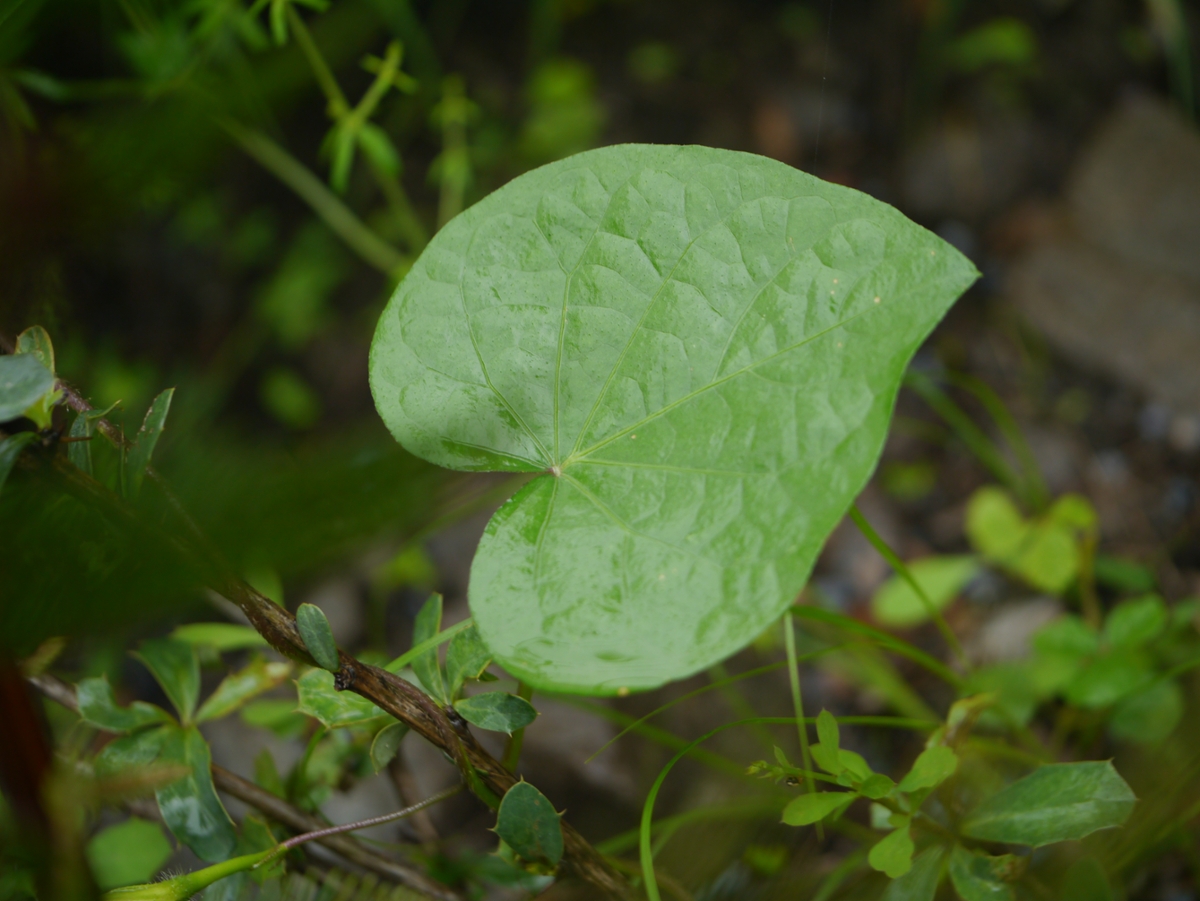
[[333, 212]]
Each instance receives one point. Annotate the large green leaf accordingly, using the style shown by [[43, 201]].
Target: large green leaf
[[190, 806], [699, 350], [1055, 803]]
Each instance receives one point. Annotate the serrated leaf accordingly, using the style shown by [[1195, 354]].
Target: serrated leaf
[[921, 882], [892, 854], [138, 457], [318, 636], [129, 852], [895, 604], [931, 768], [699, 351], [1056, 803], [1137, 622], [466, 658], [335, 709], [238, 688], [811, 808], [35, 341], [386, 743], [10, 449], [190, 806], [426, 625], [220, 637], [497, 711], [23, 382], [175, 667], [98, 706], [974, 877], [528, 823]]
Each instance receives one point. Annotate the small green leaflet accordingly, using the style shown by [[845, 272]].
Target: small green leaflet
[[98, 707], [175, 667], [698, 352], [892, 855], [466, 658], [810, 808], [190, 806], [386, 743], [427, 625], [238, 688], [335, 709], [931, 768], [1134, 623], [1057, 802], [895, 604], [36, 342], [129, 852], [219, 636], [529, 824], [23, 382], [497, 711], [318, 636]]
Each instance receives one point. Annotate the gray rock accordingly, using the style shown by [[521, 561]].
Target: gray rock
[[1135, 189], [1134, 323], [1116, 287]]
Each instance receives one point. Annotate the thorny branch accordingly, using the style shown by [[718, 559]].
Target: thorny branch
[[486, 776]]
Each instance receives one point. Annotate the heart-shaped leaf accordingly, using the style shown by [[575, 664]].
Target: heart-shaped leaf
[[699, 350]]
